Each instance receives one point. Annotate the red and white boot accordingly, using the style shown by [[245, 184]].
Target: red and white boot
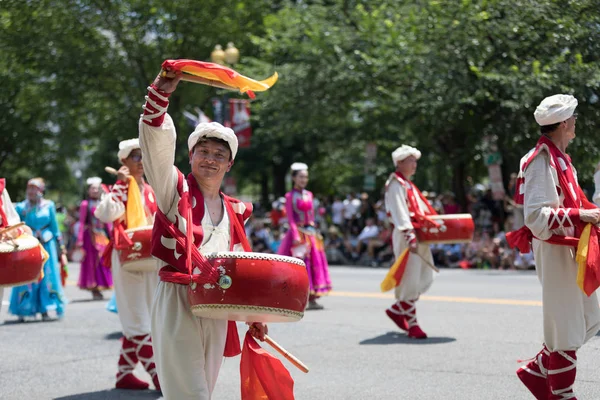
[[127, 363], [397, 316], [145, 354], [534, 375], [561, 375], [410, 313]]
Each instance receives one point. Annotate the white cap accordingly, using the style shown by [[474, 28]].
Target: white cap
[[126, 147], [555, 109], [298, 166], [94, 180], [214, 130], [403, 152]]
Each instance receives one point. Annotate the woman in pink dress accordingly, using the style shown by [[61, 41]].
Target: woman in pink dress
[[92, 238], [303, 240]]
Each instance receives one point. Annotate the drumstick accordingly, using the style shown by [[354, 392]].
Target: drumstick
[[111, 171], [198, 79], [10, 228], [430, 265], [290, 357]]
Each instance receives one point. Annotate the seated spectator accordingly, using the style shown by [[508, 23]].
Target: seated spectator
[[258, 244], [370, 231], [335, 247], [276, 242], [449, 204]]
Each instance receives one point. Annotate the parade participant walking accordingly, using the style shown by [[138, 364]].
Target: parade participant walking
[[302, 239], [188, 349], [554, 214], [406, 208], [47, 294], [92, 238], [131, 204], [9, 217]]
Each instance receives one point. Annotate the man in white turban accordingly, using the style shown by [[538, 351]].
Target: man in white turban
[[188, 349], [404, 204], [555, 210]]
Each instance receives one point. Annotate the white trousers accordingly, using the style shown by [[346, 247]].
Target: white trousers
[[418, 277], [188, 350], [570, 317], [134, 292]]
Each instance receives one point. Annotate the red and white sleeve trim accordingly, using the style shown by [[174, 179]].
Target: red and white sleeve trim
[[119, 191], [410, 236], [563, 218], [156, 106]]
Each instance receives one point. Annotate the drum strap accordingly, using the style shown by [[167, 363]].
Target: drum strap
[[4, 222], [237, 226]]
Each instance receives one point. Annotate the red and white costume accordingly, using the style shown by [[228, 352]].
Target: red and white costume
[[404, 203], [134, 290], [8, 216], [188, 349], [547, 187]]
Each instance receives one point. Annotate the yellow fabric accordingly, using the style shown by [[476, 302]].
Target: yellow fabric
[[582, 253], [134, 214], [389, 282]]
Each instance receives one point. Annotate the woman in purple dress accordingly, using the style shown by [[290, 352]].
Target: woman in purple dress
[[92, 238], [303, 240]]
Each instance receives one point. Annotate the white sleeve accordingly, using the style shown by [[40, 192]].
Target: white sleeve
[[395, 203], [542, 206], [596, 197], [111, 207], [158, 153], [9, 209]]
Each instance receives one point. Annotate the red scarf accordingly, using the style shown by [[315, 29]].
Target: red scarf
[[418, 217]]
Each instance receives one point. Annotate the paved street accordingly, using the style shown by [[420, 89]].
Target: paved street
[[479, 323]]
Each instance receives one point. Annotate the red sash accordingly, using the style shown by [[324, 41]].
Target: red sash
[[418, 217], [4, 222]]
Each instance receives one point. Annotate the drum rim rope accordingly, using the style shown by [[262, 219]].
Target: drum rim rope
[[236, 307], [253, 256], [14, 245]]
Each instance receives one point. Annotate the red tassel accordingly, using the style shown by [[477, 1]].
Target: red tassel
[[263, 376], [232, 343], [521, 239]]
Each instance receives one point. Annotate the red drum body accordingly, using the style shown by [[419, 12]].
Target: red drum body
[[138, 258], [21, 261], [253, 287], [454, 228]]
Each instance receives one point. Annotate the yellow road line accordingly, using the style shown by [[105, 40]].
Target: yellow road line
[[446, 299]]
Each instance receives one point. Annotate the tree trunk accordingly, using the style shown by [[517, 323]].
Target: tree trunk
[[279, 180], [458, 184], [264, 190]]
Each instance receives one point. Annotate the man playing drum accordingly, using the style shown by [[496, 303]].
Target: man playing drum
[[404, 204], [9, 217], [130, 204], [188, 349], [554, 207]]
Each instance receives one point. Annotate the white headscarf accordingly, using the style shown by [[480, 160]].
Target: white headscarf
[[215, 130], [126, 147], [555, 109], [403, 152], [298, 166]]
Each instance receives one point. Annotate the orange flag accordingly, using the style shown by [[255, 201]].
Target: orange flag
[[263, 376], [394, 275], [588, 252]]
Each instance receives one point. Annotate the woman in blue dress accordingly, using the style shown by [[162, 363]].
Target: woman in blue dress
[[47, 295]]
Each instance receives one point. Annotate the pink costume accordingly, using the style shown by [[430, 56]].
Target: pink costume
[[301, 217]]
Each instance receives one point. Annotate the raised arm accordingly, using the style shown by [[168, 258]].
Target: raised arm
[[111, 208], [82, 222], [289, 210], [157, 140]]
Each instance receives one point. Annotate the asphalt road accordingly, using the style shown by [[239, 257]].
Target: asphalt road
[[479, 324]]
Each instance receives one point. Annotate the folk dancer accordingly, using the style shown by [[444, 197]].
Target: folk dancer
[[131, 204], [188, 349], [47, 294], [556, 212], [304, 236], [406, 208]]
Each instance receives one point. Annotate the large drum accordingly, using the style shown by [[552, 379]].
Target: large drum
[[21, 261], [138, 257], [454, 228], [253, 287]]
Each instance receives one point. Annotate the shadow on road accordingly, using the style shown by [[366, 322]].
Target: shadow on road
[[401, 338], [114, 336], [114, 394]]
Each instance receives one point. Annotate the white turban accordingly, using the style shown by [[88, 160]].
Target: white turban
[[93, 181], [555, 109], [298, 166], [214, 130], [403, 152], [126, 147]]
